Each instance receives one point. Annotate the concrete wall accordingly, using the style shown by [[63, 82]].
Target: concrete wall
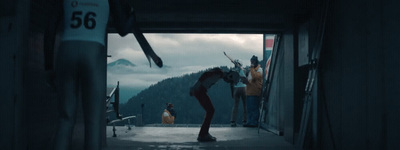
[[360, 76]]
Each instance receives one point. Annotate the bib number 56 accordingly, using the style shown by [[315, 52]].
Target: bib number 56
[[88, 21]]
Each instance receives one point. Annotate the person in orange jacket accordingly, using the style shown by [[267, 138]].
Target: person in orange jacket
[[253, 93], [168, 116]]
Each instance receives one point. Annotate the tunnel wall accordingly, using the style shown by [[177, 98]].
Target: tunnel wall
[[287, 88], [14, 20], [274, 113], [360, 76], [281, 98]]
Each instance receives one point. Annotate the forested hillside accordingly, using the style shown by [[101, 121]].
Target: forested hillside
[[176, 90]]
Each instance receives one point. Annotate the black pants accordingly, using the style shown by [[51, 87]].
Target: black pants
[[81, 68], [205, 102]]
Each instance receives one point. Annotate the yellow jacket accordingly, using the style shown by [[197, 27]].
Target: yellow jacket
[[167, 118], [254, 85]]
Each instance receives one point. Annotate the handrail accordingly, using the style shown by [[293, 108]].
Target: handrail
[[108, 99], [115, 93]]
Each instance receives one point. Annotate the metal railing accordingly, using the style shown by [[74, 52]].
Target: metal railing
[[114, 93]]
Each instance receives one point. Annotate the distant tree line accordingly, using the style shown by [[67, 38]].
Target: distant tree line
[[175, 90]]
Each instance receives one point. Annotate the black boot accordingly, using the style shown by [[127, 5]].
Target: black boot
[[206, 138]]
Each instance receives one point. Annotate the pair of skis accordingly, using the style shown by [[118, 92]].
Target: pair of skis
[[308, 100], [312, 77]]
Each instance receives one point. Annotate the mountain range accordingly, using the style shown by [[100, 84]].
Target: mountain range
[[121, 66], [175, 90]]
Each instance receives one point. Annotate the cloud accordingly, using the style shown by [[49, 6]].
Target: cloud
[[134, 80], [182, 53], [142, 76]]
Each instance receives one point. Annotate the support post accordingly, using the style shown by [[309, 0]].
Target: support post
[[114, 135]]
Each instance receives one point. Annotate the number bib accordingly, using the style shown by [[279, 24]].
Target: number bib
[[85, 20]]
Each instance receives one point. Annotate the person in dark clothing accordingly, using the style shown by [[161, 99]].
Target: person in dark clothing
[[199, 90], [170, 108]]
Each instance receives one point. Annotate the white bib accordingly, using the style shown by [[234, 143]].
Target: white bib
[[85, 20]]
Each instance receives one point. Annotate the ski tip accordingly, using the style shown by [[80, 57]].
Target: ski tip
[[158, 62]]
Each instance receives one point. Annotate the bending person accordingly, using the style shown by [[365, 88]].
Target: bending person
[[199, 90]]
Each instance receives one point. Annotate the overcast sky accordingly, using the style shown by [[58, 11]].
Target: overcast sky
[[181, 54]]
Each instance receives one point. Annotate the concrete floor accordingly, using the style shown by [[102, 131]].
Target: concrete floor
[[184, 138]]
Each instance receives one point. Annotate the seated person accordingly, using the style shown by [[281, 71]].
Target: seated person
[[168, 116]]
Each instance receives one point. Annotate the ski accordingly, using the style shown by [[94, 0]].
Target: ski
[[312, 77], [233, 61], [144, 44]]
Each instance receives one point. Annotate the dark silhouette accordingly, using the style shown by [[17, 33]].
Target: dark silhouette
[[81, 65], [199, 90]]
